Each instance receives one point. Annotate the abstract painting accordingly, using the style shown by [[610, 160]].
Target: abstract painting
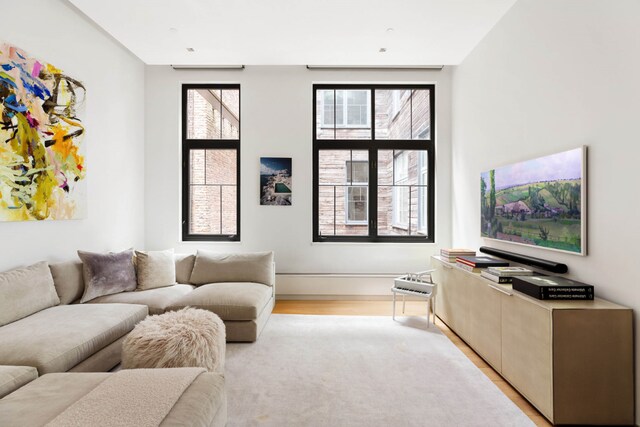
[[42, 166], [275, 181], [539, 202]]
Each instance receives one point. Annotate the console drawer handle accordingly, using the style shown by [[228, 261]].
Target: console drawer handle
[[500, 290]]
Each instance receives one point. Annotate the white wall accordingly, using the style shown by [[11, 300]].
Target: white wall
[[53, 31], [277, 121], [553, 75]]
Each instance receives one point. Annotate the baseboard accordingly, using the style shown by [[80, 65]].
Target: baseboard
[[323, 297], [333, 286]]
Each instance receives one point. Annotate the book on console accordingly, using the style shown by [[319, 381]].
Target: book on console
[[470, 268], [498, 279], [450, 255], [457, 252], [481, 261], [553, 287], [510, 271]]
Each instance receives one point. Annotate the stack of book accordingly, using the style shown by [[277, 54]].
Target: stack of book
[[504, 274], [450, 255], [553, 288], [475, 264]]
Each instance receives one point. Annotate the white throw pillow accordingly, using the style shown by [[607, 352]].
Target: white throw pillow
[[156, 269]]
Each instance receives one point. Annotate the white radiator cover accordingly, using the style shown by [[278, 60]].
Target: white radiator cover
[[334, 286]]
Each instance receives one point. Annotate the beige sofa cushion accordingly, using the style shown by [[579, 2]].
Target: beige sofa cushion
[[211, 267], [230, 301], [58, 338], [184, 266], [155, 269], [156, 299], [42, 400], [67, 277], [24, 291], [14, 377]]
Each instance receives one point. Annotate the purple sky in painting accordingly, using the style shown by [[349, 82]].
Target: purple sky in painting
[[565, 165]]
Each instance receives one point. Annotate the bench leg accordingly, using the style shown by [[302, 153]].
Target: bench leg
[[394, 306]]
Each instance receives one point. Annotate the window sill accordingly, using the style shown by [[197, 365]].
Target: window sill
[[211, 242], [398, 244], [404, 227], [346, 127]]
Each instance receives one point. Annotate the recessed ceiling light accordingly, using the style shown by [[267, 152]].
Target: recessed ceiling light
[[382, 50], [390, 30], [173, 30], [190, 49]]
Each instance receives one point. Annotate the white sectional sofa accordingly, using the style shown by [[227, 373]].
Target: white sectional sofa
[[44, 329], [240, 288]]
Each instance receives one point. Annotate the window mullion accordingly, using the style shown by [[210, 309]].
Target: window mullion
[[373, 172], [373, 192]]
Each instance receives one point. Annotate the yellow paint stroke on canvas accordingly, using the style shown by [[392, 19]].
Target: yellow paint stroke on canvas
[[42, 169]]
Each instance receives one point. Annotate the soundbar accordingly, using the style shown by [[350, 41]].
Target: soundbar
[[554, 267]]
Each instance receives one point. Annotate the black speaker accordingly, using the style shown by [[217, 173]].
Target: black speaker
[[554, 267]]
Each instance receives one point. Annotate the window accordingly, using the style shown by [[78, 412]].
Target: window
[[356, 208], [387, 194], [424, 196], [400, 190], [210, 162], [345, 108]]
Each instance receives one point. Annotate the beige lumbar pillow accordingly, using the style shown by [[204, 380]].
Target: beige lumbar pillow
[[25, 291], [156, 269], [211, 267]]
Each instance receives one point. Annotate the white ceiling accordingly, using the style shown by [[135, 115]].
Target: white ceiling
[[297, 32]]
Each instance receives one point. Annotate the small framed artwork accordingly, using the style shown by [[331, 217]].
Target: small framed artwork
[[275, 181]]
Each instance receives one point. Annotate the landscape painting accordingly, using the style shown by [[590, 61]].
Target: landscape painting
[[275, 181], [539, 202], [42, 165]]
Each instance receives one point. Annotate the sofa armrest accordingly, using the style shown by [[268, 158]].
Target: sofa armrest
[[14, 377], [273, 280]]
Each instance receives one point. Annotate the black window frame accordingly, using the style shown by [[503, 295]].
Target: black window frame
[[207, 144], [372, 146]]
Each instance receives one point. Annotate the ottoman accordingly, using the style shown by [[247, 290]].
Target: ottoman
[[186, 338]]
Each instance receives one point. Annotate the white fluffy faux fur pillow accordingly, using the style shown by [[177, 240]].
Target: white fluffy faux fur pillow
[[156, 269], [189, 337]]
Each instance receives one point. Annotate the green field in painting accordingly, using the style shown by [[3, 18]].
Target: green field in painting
[[564, 234]]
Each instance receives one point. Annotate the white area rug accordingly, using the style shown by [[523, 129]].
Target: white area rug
[[359, 371]]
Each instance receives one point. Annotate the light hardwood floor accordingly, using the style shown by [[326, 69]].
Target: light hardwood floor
[[413, 308]]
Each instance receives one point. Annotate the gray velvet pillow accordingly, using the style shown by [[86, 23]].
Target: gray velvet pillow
[[106, 274]]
